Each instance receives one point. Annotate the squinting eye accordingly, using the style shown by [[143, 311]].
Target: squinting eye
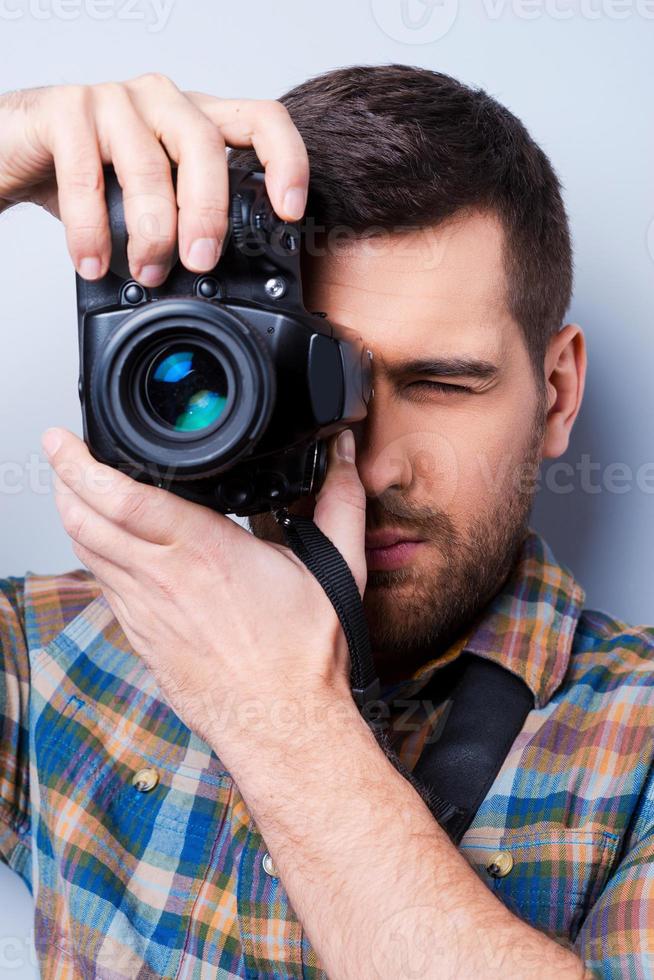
[[447, 389]]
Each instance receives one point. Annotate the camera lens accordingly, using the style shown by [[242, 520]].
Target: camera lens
[[185, 387]]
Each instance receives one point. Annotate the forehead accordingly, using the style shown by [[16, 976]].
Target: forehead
[[439, 288]]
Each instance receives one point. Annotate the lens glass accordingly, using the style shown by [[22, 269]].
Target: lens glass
[[186, 387]]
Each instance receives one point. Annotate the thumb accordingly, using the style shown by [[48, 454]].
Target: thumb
[[340, 509]]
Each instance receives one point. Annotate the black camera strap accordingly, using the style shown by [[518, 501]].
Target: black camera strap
[[486, 710], [325, 561], [487, 704]]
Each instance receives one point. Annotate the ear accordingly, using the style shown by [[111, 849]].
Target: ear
[[565, 376]]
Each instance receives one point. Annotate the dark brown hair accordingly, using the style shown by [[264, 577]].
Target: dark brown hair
[[394, 146]]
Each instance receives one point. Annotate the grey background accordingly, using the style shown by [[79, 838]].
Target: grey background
[[580, 74]]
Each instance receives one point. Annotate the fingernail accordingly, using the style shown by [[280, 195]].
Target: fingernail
[[203, 253], [295, 201], [345, 445], [51, 440], [152, 275], [89, 267]]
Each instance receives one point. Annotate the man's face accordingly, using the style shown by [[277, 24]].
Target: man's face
[[451, 469]]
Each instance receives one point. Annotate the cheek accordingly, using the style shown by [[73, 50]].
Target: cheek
[[494, 454], [469, 458]]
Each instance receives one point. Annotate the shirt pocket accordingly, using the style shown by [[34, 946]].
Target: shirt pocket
[[120, 869], [550, 877]]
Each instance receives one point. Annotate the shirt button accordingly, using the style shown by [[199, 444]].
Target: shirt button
[[145, 779], [269, 867], [499, 864]]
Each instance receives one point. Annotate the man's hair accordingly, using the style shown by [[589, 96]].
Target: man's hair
[[393, 146]]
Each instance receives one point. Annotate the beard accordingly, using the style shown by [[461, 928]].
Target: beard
[[416, 612]]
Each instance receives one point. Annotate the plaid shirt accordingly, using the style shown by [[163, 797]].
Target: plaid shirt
[[172, 882]]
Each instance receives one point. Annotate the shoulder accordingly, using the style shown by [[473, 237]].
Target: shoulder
[[52, 602], [609, 653]]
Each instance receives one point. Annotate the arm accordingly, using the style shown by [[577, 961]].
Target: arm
[[378, 886], [368, 871]]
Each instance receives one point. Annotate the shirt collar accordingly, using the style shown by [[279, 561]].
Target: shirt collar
[[529, 626]]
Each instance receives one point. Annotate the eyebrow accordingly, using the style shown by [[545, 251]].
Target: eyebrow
[[449, 367]]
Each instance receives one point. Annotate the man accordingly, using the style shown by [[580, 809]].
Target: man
[[186, 783]]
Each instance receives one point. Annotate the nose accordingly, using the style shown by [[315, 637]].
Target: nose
[[382, 461]]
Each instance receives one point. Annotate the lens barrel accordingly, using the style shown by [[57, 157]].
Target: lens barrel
[[184, 386]]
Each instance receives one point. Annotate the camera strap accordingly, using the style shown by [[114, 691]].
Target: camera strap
[[487, 704], [486, 710], [325, 561]]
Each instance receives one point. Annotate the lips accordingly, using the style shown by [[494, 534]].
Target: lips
[[386, 539], [389, 550]]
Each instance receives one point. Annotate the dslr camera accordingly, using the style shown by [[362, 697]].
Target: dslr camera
[[220, 387]]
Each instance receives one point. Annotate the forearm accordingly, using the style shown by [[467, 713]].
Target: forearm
[[379, 887]]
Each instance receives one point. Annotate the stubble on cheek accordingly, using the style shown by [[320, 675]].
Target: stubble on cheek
[[414, 611]]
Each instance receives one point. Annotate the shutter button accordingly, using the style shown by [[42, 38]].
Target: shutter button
[[500, 864], [145, 780], [269, 867]]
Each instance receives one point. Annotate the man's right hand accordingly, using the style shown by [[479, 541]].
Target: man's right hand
[[55, 140]]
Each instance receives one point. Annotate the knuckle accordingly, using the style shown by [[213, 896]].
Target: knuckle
[[75, 96], [153, 80], [84, 178], [74, 521], [149, 167], [274, 109], [207, 132], [129, 507], [150, 238], [110, 90]]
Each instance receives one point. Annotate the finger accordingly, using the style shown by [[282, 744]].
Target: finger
[[269, 129], [86, 527], [196, 145], [144, 511], [143, 172], [110, 576], [80, 182], [147, 512], [340, 510]]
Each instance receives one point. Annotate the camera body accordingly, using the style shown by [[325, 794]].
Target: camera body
[[220, 387]]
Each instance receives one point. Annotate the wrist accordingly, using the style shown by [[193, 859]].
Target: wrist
[[281, 730]]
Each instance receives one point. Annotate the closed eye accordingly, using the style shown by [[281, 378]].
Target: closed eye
[[447, 389]]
